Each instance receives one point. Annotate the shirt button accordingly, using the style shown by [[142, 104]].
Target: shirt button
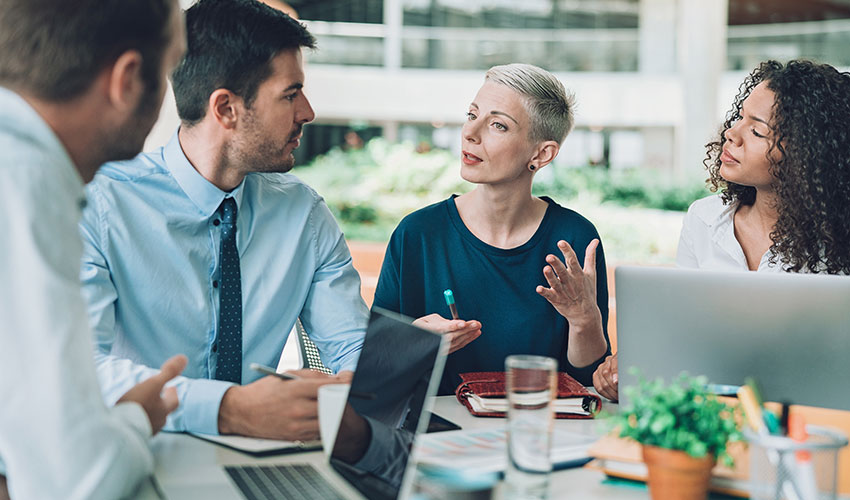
[[215, 348], [215, 283], [216, 222]]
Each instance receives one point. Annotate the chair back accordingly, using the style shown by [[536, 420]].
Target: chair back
[[310, 358]]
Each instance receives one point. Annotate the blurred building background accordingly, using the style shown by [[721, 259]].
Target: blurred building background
[[653, 78]]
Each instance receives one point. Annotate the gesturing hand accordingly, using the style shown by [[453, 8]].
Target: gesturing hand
[[459, 332], [149, 394], [572, 290]]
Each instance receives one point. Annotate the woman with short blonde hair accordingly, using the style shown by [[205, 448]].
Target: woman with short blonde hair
[[506, 254]]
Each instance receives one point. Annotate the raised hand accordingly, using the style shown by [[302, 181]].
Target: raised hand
[[572, 289]]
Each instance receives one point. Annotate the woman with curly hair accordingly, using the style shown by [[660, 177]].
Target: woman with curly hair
[[782, 167]]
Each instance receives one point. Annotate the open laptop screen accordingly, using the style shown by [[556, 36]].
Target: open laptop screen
[[789, 331], [399, 368]]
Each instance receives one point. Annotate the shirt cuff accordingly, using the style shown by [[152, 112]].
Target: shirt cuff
[[376, 454], [201, 404], [133, 413]]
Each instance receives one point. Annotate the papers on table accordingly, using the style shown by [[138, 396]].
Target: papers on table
[[577, 406], [486, 449]]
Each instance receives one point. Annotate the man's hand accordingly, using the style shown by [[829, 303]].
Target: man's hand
[[572, 290], [156, 402], [605, 378], [459, 332], [274, 408]]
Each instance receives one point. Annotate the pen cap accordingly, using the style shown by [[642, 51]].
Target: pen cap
[[450, 298]]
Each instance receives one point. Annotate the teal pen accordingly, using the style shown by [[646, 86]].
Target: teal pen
[[771, 421], [450, 301]]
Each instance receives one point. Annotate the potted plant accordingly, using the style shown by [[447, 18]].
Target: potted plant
[[684, 430]]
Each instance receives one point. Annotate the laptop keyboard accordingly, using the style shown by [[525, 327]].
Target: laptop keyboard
[[286, 482]]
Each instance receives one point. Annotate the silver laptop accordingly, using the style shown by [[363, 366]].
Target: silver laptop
[[398, 372], [789, 331]]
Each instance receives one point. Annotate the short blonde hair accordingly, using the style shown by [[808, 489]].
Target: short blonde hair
[[549, 105]]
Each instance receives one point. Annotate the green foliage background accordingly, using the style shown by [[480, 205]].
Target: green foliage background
[[638, 212]]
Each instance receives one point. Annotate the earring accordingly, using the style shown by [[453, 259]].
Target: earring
[[531, 167]]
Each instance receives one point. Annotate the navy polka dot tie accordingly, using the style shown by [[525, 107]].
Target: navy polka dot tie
[[229, 342]]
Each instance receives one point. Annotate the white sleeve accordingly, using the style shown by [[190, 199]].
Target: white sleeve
[[57, 438], [685, 255]]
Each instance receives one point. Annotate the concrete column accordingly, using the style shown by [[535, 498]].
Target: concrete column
[[393, 18], [657, 36], [657, 55], [701, 63]]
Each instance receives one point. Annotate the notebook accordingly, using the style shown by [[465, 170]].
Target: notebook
[[789, 331], [484, 395]]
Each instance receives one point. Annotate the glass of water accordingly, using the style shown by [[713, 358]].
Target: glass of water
[[531, 386]]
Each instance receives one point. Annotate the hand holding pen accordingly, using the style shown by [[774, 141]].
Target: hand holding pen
[[265, 370], [459, 332]]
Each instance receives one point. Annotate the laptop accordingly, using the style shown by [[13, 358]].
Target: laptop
[[398, 372], [789, 331]]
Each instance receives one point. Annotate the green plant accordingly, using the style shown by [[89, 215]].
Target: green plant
[[679, 416]]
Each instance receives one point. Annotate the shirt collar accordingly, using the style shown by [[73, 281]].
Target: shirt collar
[[203, 193], [19, 117]]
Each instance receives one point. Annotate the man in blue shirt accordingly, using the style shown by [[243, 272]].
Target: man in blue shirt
[[81, 83], [207, 247]]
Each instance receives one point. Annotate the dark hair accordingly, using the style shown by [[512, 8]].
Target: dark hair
[[54, 49], [230, 44], [811, 131]]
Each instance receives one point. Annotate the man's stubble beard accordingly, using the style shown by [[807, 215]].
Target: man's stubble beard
[[256, 152]]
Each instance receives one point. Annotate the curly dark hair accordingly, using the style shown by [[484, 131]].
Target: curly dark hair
[[811, 131]]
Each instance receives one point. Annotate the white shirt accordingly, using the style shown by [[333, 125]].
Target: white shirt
[[708, 239], [57, 438]]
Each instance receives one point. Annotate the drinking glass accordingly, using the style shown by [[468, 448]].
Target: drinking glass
[[531, 388]]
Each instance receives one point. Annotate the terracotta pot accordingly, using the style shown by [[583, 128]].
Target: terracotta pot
[[675, 475]]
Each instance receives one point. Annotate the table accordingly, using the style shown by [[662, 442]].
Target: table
[[187, 467]]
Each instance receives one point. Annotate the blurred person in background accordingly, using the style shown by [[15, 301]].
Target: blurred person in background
[[506, 254], [81, 83], [782, 169]]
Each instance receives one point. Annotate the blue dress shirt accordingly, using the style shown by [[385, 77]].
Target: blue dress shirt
[[150, 274]]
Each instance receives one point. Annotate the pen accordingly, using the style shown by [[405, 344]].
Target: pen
[[288, 376], [268, 371], [752, 410], [783, 417], [450, 301]]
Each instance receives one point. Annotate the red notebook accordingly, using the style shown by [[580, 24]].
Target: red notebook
[[484, 395]]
